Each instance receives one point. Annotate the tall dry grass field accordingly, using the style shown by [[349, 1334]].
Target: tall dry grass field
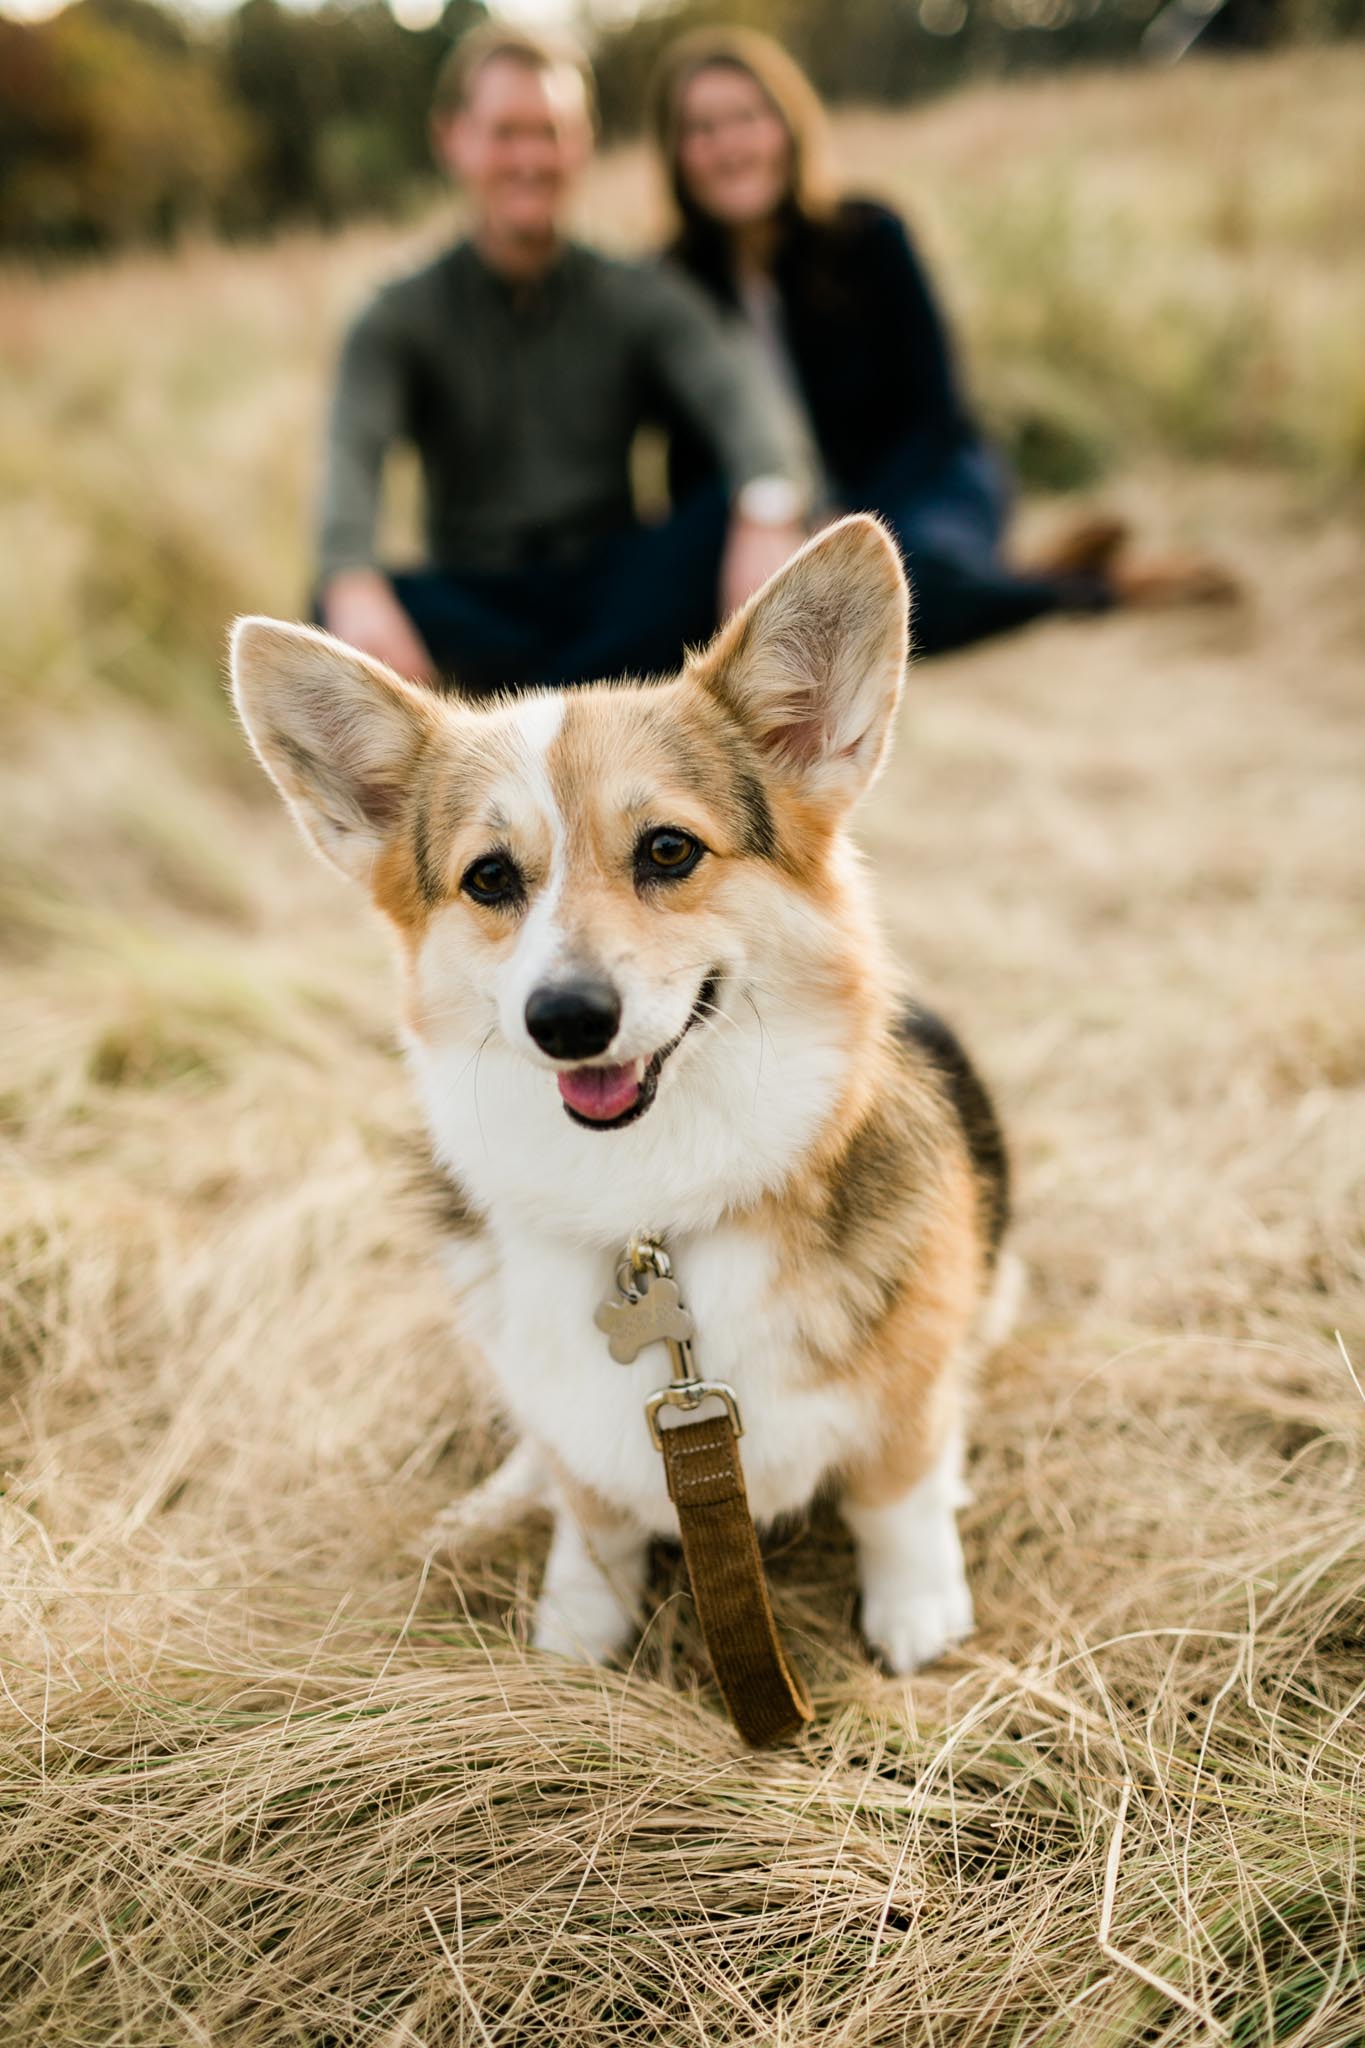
[[263, 1781]]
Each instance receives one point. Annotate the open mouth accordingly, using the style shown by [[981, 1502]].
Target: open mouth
[[608, 1098]]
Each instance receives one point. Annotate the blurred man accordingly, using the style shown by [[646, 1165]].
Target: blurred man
[[521, 364]]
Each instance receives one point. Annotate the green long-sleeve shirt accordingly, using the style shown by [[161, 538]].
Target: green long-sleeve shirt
[[522, 403]]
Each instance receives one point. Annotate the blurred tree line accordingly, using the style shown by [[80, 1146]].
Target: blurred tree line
[[122, 120]]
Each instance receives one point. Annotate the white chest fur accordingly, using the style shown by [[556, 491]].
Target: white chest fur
[[736, 1109], [563, 1389]]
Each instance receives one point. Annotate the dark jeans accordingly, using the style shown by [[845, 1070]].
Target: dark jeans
[[948, 509], [631, 604]]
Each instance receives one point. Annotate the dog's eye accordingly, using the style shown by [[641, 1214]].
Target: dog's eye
[[494, 879], [666, 855]]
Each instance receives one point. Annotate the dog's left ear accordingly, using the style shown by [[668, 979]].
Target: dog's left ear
[[813, 665]]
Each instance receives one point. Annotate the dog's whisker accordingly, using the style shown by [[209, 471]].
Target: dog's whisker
[[478, 1114], [762, 1043], [720, 1023], [473, 1059], [701, 967]]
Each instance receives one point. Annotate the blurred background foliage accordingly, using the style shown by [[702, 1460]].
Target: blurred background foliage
[[122, 120]]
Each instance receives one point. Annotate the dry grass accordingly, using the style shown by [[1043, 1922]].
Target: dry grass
[[261, 1785], [1137, 263]]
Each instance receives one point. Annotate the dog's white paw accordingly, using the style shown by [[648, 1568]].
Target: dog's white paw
[[590, 1596], [915, 1598], [910, 1626], [584, 1621]]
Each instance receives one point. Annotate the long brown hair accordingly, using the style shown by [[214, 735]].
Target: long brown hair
[[782, 82]]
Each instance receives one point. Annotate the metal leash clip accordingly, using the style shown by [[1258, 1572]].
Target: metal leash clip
[[648, 1309]]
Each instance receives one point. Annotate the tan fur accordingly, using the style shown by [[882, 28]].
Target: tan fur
[[888, 1300]]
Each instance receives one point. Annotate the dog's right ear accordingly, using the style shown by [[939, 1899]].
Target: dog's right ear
[[337, 733], [813, 664]]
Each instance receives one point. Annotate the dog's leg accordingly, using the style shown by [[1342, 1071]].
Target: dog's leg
[[589, 1604], [513, 1489], [914, 1580]]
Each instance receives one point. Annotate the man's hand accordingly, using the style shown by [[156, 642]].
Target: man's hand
[[359, 606], [753, 553]]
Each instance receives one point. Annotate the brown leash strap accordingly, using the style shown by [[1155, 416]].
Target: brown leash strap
[[765, 1695]]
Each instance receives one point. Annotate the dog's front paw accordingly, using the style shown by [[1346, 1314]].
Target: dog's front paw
[[589, 1600], [585, 1622], [910, 1626]]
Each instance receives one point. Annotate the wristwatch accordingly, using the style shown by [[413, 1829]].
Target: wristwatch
[[771, 501]]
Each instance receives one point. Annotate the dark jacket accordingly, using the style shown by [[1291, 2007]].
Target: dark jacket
[[523, 404], [869, 344]]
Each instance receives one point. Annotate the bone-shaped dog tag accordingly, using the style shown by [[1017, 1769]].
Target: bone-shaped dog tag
[[655, 1316]]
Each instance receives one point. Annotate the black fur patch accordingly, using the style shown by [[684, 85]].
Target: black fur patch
[[429, 859], [867, 1185], [430, 882], [698, 762], [761, 838], [939, 1043]]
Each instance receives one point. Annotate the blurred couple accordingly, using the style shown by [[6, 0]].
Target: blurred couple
[[787, 341]]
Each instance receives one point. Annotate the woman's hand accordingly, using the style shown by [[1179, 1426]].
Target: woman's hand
[[359, 606], [754, 551]]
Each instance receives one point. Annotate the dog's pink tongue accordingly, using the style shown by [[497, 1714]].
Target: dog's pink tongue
[[600, 1092]]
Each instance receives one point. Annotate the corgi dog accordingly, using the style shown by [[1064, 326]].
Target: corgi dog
[[644, 990]]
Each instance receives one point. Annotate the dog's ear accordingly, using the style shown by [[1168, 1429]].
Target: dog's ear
[[337, 733], [813, 664]]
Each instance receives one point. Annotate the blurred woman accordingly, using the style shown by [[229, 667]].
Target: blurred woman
[[838, 299]]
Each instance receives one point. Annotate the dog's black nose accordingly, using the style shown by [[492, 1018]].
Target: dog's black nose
[[573, 1020]]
